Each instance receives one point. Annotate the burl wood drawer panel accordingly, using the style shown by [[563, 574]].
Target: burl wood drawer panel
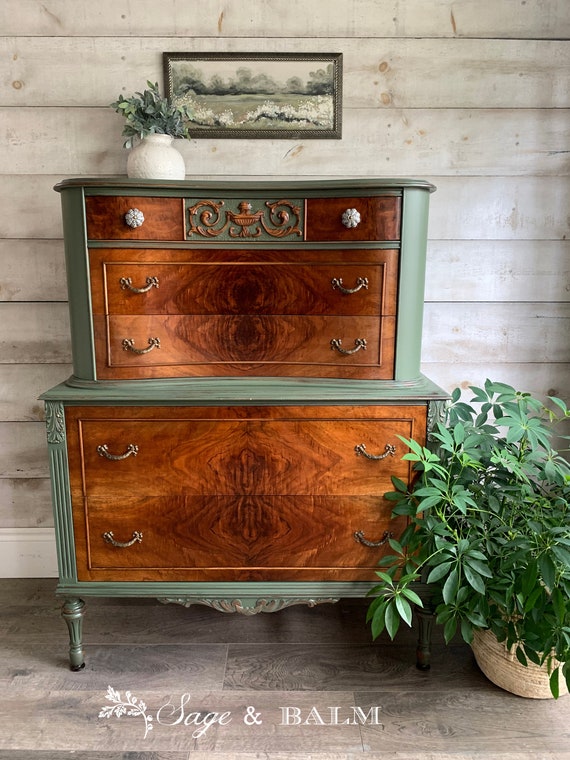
[[234, 493], [158, 288], [218, 312], [164, 346], [379, 219], [106, 218]]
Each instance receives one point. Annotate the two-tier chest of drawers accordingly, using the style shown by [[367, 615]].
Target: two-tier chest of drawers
[[246, 357]]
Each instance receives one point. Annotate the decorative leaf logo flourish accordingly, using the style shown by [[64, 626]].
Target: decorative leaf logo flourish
[[132, 706]]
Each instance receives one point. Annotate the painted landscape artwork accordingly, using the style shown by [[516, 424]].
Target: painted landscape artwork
[[247, 95]]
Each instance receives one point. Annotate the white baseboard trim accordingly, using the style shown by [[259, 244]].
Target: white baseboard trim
[[28, 553]]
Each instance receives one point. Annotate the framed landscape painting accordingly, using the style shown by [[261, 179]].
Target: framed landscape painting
[[294, 96]]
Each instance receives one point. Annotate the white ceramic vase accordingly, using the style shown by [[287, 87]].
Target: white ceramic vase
[[155, 157]]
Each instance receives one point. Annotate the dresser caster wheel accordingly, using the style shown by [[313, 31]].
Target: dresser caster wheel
[[77, 668]]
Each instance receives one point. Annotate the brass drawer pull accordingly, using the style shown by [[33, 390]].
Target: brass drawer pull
[[359, 536], [103, 451], [336, 345], [127, 284], [109, 538], [134, 218], [389, 450], [351, 218], [129, 345], [361, 282]]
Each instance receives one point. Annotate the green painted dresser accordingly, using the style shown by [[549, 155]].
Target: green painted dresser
[[246, 356]]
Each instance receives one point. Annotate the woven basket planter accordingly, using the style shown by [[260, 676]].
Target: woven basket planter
[[502, 668]]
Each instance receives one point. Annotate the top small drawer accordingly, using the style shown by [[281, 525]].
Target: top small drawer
[[348, 219], [134, 218], [353, 219]]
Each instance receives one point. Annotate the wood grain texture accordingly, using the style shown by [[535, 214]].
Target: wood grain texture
[[253, 289], [404, 142], [417, 82], [379, 219], [301, 657], [506, 203], [462, 73], [163, 218], [234, 493], [372, 18], [237, 346]]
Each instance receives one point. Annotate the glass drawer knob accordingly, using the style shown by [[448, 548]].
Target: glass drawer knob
[[351, 217], [134, 218]]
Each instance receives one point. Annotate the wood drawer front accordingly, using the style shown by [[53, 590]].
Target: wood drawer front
[[203, 344], [379, 219], [236, 457], [163, 218], [159, 288], [235, 493], [237, 538]]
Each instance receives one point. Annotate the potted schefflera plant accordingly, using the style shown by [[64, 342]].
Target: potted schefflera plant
[[489, 536], [151, 124]]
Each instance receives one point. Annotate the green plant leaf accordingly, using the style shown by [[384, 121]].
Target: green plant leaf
[[449, 629], [547, 570], [474, 579], [412, 596], [478, 566], [439, 571], [450, 587], [392, 619], [404, 609], [554, 683], [521, 656]]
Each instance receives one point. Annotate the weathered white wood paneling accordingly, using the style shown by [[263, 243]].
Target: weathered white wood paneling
[[496, 332], [25, 502], [30, 207], [498, 270], [500, 208], [537, 378], [409, 73], [398, 142], [32, 270], [24, 450], [20, 386], [34, 335], [277, 19]]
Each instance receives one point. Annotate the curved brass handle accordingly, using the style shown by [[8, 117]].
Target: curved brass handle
[[361, 282], [359, 536], [103, 451], [110, 539], [129, 345], [389, 450], [336, 345], [134, 218], [127, 284]]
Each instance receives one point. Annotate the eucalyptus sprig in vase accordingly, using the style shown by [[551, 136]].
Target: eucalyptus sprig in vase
[[151, 124]]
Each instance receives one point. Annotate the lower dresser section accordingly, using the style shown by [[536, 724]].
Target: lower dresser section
[[235, 493], [189, 497]]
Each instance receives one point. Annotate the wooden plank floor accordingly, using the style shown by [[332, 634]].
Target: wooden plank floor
[[296, 670]]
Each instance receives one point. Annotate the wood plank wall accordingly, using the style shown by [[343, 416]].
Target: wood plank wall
[[470, 94]]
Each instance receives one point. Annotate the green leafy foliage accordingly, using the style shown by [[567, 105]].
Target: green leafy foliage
[[489, 527], [148, 113]]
